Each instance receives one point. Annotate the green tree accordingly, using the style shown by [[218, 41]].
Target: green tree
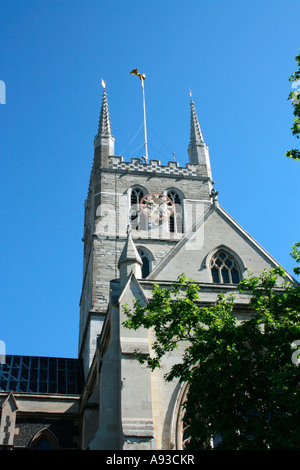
[[243, 383], [295, 253], [295, 153], [295, 97]]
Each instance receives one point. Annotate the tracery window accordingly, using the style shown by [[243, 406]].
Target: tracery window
[[138, 219], [176, 219], [224, 268]]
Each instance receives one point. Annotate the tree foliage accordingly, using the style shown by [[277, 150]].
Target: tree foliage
[[294, 153], [294, 96], [243, 386], [295, 253]]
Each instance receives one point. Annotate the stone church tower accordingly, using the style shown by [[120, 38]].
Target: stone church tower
[[113, 203], [144, 224]]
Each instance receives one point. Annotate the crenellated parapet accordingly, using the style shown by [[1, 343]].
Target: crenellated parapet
[[153, 166]]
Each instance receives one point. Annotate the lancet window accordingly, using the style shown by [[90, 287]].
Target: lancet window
[[138, 219], [146, 258], [44, 440], [176, 219]]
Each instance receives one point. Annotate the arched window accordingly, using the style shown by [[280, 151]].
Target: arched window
[[44, 440], [180, 427], [138, 219], [176, 219], [224, 268], [147, 259]]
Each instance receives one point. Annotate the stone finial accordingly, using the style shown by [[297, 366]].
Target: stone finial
[[214, 195], [130, 260], [130, 253]]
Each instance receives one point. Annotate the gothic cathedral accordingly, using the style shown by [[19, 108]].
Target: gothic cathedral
[[144, 223]]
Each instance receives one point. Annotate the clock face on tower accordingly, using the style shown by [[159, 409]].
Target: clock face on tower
[[157, 206]]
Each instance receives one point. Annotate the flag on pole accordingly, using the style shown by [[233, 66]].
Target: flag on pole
[[142, 78], [140, 75], [103, 83]]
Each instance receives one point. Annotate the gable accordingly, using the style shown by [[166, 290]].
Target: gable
[[215, 230], [131, 292]]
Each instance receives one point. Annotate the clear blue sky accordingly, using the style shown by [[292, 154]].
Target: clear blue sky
[[236, 57]]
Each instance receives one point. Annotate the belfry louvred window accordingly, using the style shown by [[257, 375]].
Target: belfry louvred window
[[138, 219], [175, 220], [224, 268]]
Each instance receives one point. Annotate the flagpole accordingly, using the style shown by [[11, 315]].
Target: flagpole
[[142, 78], [145, 125]]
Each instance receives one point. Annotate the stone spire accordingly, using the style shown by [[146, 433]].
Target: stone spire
[[104, 136], [104, 127], [198, 150], [196, 136], [129, 261]]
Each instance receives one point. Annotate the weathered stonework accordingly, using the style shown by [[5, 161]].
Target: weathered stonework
[[105, 399], [137, 408]]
